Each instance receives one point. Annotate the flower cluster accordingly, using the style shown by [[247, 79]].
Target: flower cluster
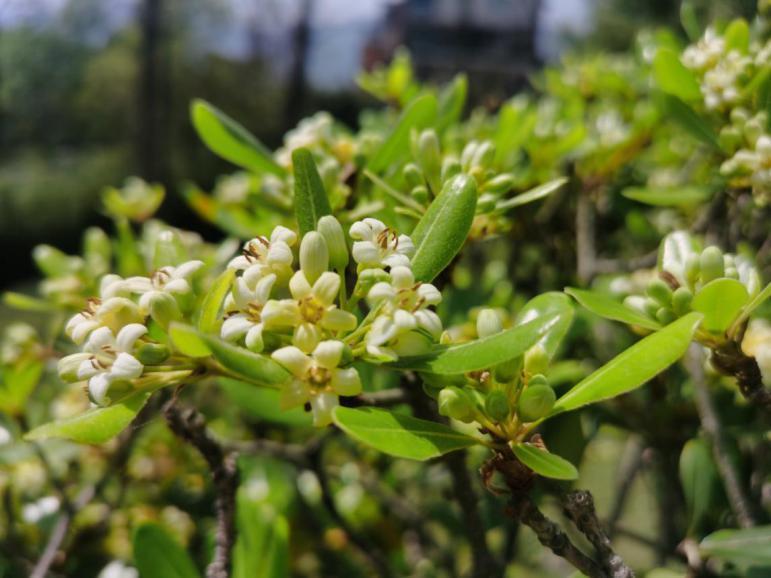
[[750, 165]]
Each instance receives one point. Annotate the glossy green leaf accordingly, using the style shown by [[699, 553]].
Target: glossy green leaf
[[262, 403], [749, 546], [443, 229], [398, 434], [691, 121], [188, 341], [452, 100], [420, 114], [669, 196], [95, 426], [532, 195], [748, 309], [632, 368], [482, 353], [544, 305], [674, 78], [17, 383], [544, 463], [257, 368], [230, 140], [310, 198], [700, 481], [720, 301], [158, 555], [606, 306], [208, 321], [737, 36]]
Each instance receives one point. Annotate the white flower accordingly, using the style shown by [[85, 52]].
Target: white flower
[[706, 53], [261, 257], [311, 311], [317, 379], [378, 246], [36, 511], [171, 280], [114, 313], [109, 359], [403, 309], [117, 569], [248, 304]]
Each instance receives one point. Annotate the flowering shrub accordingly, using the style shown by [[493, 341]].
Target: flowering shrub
[[374, 284]]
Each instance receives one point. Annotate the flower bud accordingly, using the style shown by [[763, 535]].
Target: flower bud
[[97, 250], [681, 300], [53, 262], [450, 167], [412, 175], [486, 202], [163, 308], [367, 279], [67, 367], [692, 269], [651, 307], [420, 194], [636, 302], [508, 370], [499, 184], [536, 360], [429, 157], [333, 234], [314, 256], [497, 405], [484, 155], [537, 379], [456, 404], [468, 154], [711, 264], [488, 323], [660, 292], [665, 316], [536, 402], [152, 353]]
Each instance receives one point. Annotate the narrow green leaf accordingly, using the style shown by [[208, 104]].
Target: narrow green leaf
[[230, 140], [94, 426], [482, 353], [310, 198], [257, 368], [25, 302], [691, 121], [674, 78], [212, 302], [262, 403], [700, 481], [544, 463], [420, 114], [607, 307], [546, 304], [668, 197], [443, 229], [452, 100], [532, 195], [262, 547], [398, 434], [632, 368], [749, 546], [720, 301], [158, 555], [188, 341], [747, 310]]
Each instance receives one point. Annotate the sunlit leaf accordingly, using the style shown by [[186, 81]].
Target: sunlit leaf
[[208, 321], [544, 463], [544, 305], [262, 403], [606, 306], [158, 555], [188, 341], [668, 197], [532, 195], [674, 78], [747, 546], [699, 479], [257, 368], [310, 198], [720, 301]]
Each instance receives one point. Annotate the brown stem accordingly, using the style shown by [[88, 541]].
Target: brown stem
[[729, 359], [189, 425]]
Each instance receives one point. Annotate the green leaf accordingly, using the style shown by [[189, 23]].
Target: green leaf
[[534, 194], [443, 229], [632, 368], [737, 36], [398, 434], [699, 480], [257, 368], [25, 302], [674, 78], [18, 383], [607, 307], [188, 341], [262, 547], [452, 101], [544, 463], [482, 353], [95, 426], [420, 114], [262, 403], [310, 198], [212, 302], [747, 310], [691, 121], [230, 140], [749, 546], [669, 196], [158, 555], [546, 304], [720, 301]]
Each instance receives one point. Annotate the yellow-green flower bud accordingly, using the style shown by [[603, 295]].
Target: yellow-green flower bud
[[163, 308], [333, 234], [660, 292], [665, 316], [692, 269], [450, 167], [468, 154], [497, 405], [681, 300], [53, 262], [429, 158], [536, 360], [486, 202], [314, 256], [367, 278], [508, 370], [537, 379], [536, 402], [456, 404], [499, 184], [412, 175], [484, 155], [152, 353], [711, 264], [67, 367], [488, 323], [97, 250], [420, 194], [651, 307]]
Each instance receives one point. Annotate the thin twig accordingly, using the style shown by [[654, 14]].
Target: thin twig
[[190, 425], [713, 429]]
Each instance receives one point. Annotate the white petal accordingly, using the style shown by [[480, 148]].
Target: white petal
[[306, 336], [293, 394], [128, 335], [294, 360], [185, 270], [346, 381], [381, 353], [254, 273], [74, 321], [98, 387], [326, 287], [360, 231], [81, 331], [280, 313], [366, 253], [99, 338], [396, 260], [138, 284], [263, 288], [381, 291], [382, 331], [429, 294], [239, 263], [280, 254], [284, 235], [406, 246], [111, 286], [402, 277], [429, 321], [126, 366], [241, 293], [254, 338], [336, 319], [329, 353], [299, 286], [322, 406], [87, 369], [235, 326], [404, 320], [375, 226], [177, 286]]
